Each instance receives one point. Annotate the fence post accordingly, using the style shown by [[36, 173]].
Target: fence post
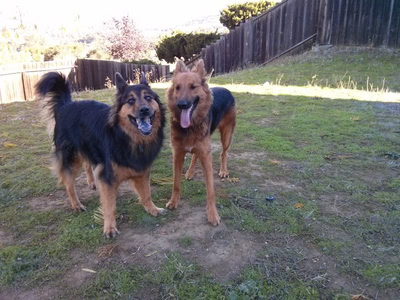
[[23, 84]]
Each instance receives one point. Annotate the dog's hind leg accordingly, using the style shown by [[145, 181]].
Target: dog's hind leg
[[226, 128], [142, 186], [67, 177], [190, 172], [90, 176]]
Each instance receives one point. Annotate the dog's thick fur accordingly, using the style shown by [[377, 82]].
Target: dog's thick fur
[[114, 143], [196, 111]]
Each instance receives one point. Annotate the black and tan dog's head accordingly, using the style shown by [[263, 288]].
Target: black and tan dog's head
[[137, 109], [189, 97]]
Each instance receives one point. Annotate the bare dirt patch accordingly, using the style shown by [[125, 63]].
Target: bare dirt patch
[[338, 204], [221, 251], [43, 292], [5, 238]]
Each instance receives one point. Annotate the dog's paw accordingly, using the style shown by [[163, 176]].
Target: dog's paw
[[189, 175], [213, 218], [172, 204], [111, 232], [156, 211], [79, 207], [223, 173], [162, 211]]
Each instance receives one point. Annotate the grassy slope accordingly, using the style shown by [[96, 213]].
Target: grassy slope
[[332, 166], [337, 68]]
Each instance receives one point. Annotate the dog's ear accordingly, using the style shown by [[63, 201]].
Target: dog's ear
[[200, 69], [120, 82], [143, 79], [180, 67]]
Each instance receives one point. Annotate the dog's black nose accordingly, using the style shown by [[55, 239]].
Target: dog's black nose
[[144, 110], [183, 104]]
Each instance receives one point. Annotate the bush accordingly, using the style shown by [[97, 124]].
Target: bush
[[235, 14], [183, 45], [144, 61]]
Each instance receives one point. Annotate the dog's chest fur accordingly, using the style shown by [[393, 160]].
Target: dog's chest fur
[[191, 139]]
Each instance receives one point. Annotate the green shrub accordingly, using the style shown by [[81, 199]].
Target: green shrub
[[235, 14], [183, 45]]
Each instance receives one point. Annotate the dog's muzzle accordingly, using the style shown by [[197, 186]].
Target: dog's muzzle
[[144, 120]]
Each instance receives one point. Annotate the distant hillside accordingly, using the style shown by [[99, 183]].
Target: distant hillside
[[204, 24]]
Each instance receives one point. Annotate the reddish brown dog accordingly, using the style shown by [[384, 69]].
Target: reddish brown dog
[[196, 111]]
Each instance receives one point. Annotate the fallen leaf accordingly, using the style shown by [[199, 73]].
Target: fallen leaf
[[358, 297], [99, 215], [233, 179], [89, 270], [9, 145], [162, 181], [355, 118], [274, 162], [299, 205], [152, 253], [275, 112]]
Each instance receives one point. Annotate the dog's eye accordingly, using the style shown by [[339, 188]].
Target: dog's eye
[[192, 87], [148, 98], [131, 101], [178, 87]]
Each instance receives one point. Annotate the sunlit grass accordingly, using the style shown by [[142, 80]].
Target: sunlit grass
[[306, 91]]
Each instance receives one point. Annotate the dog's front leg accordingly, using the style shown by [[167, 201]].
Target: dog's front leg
[[142, 187], [179, 157], [108, 199], [206, 163]]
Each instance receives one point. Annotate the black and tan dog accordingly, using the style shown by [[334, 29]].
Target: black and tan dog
[[115, 143], [196, 111]]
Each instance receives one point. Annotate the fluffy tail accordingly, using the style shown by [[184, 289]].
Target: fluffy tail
[[54, 91]]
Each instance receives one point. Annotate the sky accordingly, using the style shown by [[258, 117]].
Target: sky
[[147, 14]]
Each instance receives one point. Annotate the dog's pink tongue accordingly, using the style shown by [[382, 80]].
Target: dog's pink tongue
[[185, 118]]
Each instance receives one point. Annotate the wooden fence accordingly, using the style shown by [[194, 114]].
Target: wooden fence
[[295, 25], [92, 74], [17, 81], [360, 22]]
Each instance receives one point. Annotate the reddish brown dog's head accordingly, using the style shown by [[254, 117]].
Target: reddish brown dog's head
[[137, 110], [189, 98]]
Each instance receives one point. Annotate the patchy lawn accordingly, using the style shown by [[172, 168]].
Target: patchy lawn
[[312, 209]]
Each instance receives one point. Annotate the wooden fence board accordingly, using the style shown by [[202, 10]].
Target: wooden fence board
[[17, 82]]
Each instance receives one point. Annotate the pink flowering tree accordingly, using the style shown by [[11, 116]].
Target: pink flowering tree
[[126, 42]]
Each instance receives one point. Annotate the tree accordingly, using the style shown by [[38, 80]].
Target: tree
[[183, 45], [125, 40], [235, 14]]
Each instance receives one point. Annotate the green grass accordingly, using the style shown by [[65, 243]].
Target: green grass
[[367, 69], [113, 282], [383, 275], [328, 156]]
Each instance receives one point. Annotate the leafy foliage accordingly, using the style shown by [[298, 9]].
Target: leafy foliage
[[125, 40], [183, 45], [235, 14]]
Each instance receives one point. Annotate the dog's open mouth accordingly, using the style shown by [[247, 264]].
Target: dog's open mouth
[[145, 124], [186, 114]]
